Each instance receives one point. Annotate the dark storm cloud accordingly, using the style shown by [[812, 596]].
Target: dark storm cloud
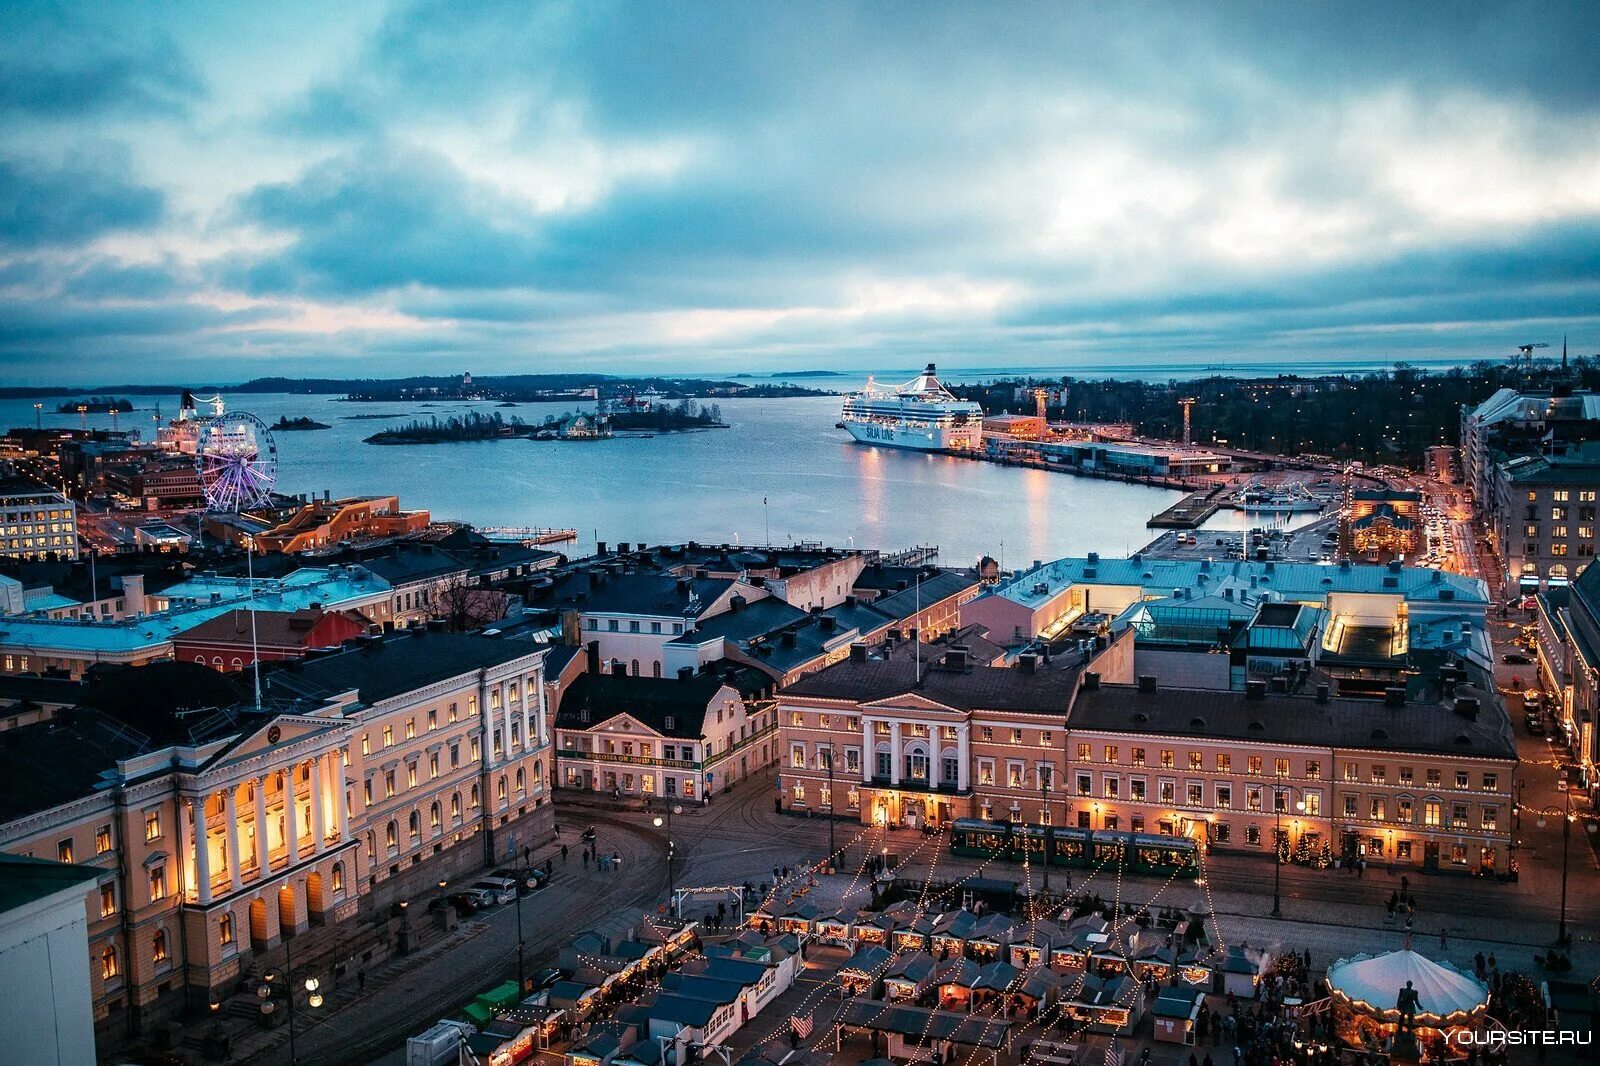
[[823, 183], [88, 197], [55, 62]]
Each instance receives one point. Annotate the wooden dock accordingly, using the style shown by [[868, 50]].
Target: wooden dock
[[1191, 511]]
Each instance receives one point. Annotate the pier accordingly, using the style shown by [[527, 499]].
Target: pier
[[1191, 511], [529, 535]]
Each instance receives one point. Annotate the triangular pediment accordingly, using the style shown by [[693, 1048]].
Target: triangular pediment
[[277, 732], [909, 701], [625, 724]]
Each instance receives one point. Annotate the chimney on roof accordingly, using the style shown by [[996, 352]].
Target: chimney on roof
[[592, 650], [1028, 663], [685, 673], [1255, 689], [1466, 707], [1147, 682], [1394, 696], [1324, 691], [787, 639], [1091, 680], [827, 623], [597, 578], [619, 668], [599, 547], [850, 600], [1279, 683], [955, 660], [622, 547], [858, 652]]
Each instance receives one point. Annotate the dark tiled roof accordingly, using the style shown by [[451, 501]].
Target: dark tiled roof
[[45, 691], [752, 620], [652, 594], [385, 668], [24, 880], [1428, 728], [940, 586], [50, 763], [651, 700], [1047, 691]]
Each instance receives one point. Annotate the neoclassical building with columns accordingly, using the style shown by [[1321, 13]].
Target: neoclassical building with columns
[[361, 778]]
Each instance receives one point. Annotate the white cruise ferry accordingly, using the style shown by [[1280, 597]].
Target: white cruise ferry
[[920, 414]]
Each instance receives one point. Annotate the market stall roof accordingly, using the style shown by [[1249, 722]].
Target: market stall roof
[[1373, 982], [924, 1023]]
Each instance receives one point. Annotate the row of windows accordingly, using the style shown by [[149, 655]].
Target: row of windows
[[614, 625], [1563, 496]]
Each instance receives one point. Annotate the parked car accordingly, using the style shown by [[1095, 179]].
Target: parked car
[[1513, 658], [524, 878], [469, 902], [500, 889], [1534, 723]]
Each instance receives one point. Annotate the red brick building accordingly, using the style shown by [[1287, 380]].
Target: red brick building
[[225, 642]]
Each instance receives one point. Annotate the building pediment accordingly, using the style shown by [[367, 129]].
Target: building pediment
[[623, 723], [908, 701]]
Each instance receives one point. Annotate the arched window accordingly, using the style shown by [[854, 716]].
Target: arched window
[[201, 659], [1558, 572], [108, 963], [636, 668], [433, 814], [500, 789], [238, 663], [455, 805], [225, 929], [338, 877], [520, 788], [158, 946], [391, 834], [656, 667], [216, 661], [538, 770], [414, 824]]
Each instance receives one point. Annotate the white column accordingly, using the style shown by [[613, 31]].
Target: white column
[[316, 807], [291, 817], [505, 712], [529, 708], [230, 816], [263, 861], [963, 757], [894, 753], [202, 850], [868, 752], [341, 796]]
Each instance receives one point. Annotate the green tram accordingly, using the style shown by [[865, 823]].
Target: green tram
[[1141, 853]]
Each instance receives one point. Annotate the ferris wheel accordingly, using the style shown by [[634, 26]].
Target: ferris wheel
[[236, 460]]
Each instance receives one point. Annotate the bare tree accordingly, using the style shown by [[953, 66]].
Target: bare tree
[[466, 607]]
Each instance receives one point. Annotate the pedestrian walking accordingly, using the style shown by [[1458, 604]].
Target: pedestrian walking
[[1443, 944], [616, 859], [563, 853], [361, 980], [585, 858]]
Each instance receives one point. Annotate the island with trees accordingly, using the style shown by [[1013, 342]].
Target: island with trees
[[640, 420], [287, 424], [98, 405]]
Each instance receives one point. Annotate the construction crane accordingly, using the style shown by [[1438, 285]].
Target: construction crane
[[1527, 353], [1187, 403]]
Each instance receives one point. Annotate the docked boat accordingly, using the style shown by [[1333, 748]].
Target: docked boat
[[1260, 502], [921, 414]]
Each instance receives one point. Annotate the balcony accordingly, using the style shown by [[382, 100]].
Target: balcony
[[911, 784]]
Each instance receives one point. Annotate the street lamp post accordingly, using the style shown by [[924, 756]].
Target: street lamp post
[[1044, 799], [1567, 818], [1277, 844], [832, 801], [672, 882]]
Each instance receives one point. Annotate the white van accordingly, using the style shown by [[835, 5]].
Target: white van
[[503, 889]]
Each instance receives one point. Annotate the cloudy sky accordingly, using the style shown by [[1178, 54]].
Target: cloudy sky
[[223, 191]]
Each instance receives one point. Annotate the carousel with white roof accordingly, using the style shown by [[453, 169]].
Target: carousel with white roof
[[1400, 1003]]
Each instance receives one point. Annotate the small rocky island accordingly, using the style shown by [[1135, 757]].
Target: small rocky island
[[289, 425], [99, 405], [637, 420]]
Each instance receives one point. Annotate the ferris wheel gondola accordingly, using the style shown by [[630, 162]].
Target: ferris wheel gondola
[[236, 460]]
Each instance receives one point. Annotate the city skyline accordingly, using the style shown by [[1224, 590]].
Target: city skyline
[[197, 192]]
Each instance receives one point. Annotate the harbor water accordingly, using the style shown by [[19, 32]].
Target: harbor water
[[782, 472]]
